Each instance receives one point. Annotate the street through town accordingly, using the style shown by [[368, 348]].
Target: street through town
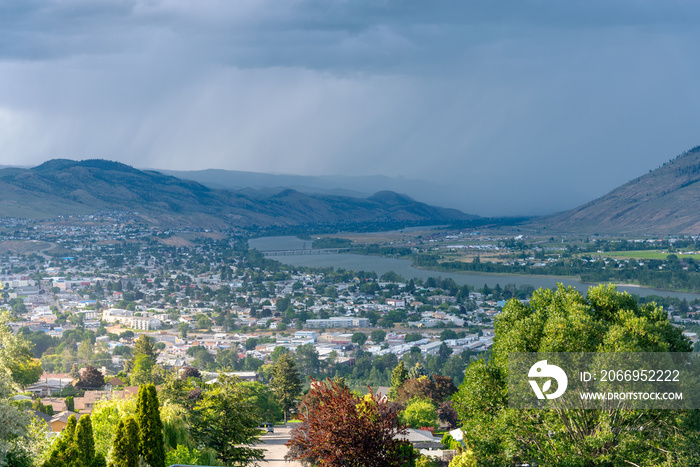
[[275, 448]]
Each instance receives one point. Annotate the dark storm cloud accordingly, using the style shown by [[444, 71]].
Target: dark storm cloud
[[513, 107]]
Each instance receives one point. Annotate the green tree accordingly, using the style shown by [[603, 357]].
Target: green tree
[[359, 338], [74, 373], [106, 416], [31, 449], [464, 459], [183, 455], [203, 358], [142, 372], [16, 357], [63, 451], [416, 371], [226, 359], [125, 448], [150, 426], [76, 446], [13, 422], [224, 421], [203, 322], [26, 371], [444, 352], [378, 336], [70, 403], [427, 461], [38, 405], [84, 442], [563, 320], [420, 413], [307, 359], [278, 352], [286, 382], [143, 362], [146, 345], [283, 303], [398, 376], [263, 401]]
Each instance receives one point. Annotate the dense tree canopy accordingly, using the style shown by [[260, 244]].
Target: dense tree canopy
[[225, 421], [262, 400], [76, 446], [420, 413], [563, 320], [307, 359]]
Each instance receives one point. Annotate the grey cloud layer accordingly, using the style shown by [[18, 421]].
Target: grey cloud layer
[[515, 107]]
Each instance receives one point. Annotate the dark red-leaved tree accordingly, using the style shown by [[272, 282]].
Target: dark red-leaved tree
[[438, 389], [343, 429], [447, 414], [90, 378], [190, 372]]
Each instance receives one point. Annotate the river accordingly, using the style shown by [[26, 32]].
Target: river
[[404, 268]]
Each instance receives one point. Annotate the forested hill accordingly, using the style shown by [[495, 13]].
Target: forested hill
[[663, 201], [62, 187]]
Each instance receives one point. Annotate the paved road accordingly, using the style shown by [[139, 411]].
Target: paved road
[[274, 445]]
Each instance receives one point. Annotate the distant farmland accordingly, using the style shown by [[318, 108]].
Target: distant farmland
[[646, 254]]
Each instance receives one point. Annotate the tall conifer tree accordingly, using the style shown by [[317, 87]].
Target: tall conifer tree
[[76, 446], [398, 376], [286, 382], [125, 448], [150, 427], [67, 436], [84, 441]]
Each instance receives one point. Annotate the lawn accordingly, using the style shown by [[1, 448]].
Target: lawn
[[645, 254]]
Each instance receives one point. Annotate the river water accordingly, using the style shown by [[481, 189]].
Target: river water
[[404, 268]]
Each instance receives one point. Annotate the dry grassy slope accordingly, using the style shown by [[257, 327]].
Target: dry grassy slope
[[70, 187], [664, 201]]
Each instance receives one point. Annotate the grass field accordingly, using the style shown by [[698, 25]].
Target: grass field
[[645, 254]]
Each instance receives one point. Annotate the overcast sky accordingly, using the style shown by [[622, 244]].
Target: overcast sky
[[513, 107]]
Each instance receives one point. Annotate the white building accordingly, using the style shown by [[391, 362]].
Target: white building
[[338, 322], [306, 335], [146, 322]]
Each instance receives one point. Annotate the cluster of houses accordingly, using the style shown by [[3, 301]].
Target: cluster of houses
[[50, 384]]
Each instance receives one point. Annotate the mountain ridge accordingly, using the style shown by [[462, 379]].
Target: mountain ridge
[[64, 186], [663, 201]]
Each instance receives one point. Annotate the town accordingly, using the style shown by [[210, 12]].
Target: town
[[86, 292]]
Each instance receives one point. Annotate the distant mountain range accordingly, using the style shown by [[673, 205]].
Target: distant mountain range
[[61, 187], [353, 186], [661, 202]]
